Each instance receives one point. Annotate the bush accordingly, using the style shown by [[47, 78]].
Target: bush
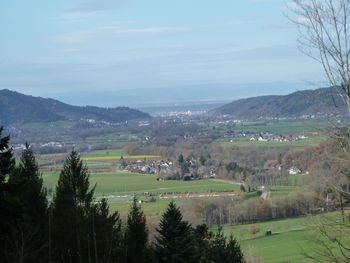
[[254, 230]]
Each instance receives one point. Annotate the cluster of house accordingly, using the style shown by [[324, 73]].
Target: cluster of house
[[149, 166], [279, 138], [274, 164], [40, 145], [167, 170]]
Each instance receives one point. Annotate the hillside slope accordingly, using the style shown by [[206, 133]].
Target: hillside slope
[[19, 108], [322, 102]]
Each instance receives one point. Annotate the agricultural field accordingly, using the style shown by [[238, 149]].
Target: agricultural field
[[99, 153], [276, 127], [117, 157], [288, 240], [124, 183], [114, 140], [119, 187], [245, 142]]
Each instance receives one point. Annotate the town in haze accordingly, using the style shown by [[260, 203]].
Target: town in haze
[[175, 131]]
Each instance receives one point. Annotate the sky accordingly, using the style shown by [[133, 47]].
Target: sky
[[133, 52]]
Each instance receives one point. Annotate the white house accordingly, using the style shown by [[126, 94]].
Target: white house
[[294, 171]]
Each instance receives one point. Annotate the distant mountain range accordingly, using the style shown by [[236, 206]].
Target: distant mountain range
[[322, 102], [19, 108]]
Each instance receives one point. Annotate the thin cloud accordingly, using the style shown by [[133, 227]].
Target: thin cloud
[[99, 5], [68, 17], [115, 32]]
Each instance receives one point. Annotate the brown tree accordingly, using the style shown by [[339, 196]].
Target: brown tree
[[325, 37]]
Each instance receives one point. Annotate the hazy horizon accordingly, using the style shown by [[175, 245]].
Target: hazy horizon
[[125, 52]]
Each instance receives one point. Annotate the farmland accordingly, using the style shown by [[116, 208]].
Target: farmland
[[123, 183], [290, 240], [300, 144], [290, 235], [277, 127]]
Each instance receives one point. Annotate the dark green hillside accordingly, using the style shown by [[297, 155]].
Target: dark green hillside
[[19, 108], [323, 102]]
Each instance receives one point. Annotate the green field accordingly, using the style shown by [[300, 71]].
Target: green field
[[113, 154], [276, 127], [309, 142], [116, 157], [108, 152], [290, 239], [127, 183], [116, 140]]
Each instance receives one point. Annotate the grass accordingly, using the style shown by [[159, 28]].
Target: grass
[[118, 188], [278, 191], [111, 155], [245, 142], [117, 157], [290, 238], [108, 152], [276, 127], [127, 183], [44, 125], [116, 140]]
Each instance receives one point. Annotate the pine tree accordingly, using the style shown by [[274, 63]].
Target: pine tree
[[7, 161], [71, 207], [105, 238], [222, 251], [29, 183], [30, 230], [234, 252], [9, 207], [218, 248], [175, 240], [136, 235], [202, 241]]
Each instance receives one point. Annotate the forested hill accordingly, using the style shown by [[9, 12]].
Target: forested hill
[[322, 102], [19, 108]]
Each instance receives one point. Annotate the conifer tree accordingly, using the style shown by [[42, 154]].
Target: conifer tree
[[234, 252], [9, 208], [223, 252], [175, 240], [71, 207], [136, 235], [105, 238], [202, 241], [29, 234], [7, 161]]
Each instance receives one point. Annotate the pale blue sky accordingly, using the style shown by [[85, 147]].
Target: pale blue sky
[[237, 47]]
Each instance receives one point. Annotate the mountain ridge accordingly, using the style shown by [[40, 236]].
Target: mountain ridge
[[16, 107], [322, 102]]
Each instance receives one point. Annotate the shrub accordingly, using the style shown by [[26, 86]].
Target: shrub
[[254, 230]]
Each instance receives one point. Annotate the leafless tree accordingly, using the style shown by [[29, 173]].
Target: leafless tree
[[324, 36]]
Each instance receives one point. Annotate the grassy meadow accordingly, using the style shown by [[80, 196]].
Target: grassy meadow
[[289, 240], [124, 183], [245, 142]]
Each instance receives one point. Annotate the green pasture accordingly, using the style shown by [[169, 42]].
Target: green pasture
[[107, 152], [114, 140], [245, 142], [290, 239], [54, 125], [123, 183], [116, 157], [283, 127], [112, 155], [279, 191], [276, 127]]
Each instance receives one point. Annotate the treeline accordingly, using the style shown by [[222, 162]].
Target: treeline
[[74, 227], [224, 211]]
